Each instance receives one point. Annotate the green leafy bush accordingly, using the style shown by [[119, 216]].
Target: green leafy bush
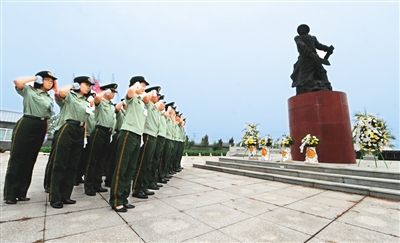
[[204, 152], [45, 149]]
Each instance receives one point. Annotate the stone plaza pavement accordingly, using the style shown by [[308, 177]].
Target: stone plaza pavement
[[202, 206]]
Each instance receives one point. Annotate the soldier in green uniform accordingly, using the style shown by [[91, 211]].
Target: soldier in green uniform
[[29, 133], [129, 138], [90, 124], [100, 139], [168, 145], [120, 111], [175, 132], [70, 141], [143, 171], [181, 140], [162, 131], [49, 165]]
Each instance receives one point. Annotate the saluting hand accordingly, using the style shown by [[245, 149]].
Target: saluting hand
[[55, 86]]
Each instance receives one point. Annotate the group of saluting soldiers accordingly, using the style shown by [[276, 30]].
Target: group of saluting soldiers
[[135, 144]]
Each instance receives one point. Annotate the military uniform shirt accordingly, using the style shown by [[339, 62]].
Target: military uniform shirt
[[120, 119], [36, 102], [170, 128], [152, 120], [135, 115], [104, 113], [90, 123], [176, 133], [182, 134], [75, 107], [162, 125], [61, 118]]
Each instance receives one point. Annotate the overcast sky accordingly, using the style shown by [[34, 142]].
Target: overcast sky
[[225, 64]]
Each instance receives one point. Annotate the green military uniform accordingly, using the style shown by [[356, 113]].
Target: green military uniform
[[27, 139], [142, 174], [83, 161], [49, 165], [174, 153], [157, 157], [113, 147], [181, 141], [128, 145], [167, 151], [99, 143], [68, 147]]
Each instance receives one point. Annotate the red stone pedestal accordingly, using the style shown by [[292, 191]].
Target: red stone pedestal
[[324, 114]]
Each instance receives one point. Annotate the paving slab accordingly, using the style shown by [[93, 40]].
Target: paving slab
[[119, 233], [250, 206], [340, 232], [296, 220], [316, 209], [71, 223], [217, 215], [23, 230], [214, 236], [148, 209], [374, 218], [259, 230], [271, 197], [175, 227], [24, 210]]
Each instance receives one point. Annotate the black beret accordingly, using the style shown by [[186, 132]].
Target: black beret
[[139, 79], [112, 87], [46, 74], [82, 79], [161, 97]]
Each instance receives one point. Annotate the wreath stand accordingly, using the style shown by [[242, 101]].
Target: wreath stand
[[376, 164]]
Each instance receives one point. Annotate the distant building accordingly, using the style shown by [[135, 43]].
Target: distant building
[[7, 123]]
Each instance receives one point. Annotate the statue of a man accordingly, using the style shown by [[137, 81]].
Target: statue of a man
[[309, 74]]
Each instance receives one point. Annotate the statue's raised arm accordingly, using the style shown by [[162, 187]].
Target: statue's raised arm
[[309, 75]]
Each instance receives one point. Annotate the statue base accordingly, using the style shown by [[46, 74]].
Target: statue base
[[324, 114]]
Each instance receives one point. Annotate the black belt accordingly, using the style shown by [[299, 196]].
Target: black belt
[[104, 128], [116, 131], [74, 122], [35, 117]]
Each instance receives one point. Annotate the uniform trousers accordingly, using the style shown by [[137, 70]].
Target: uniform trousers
[[166, 155], [49, 165], [99, 144], [68, 149], [178, 156], [142, 174], [83, 161], [112, 152], [156, 161], [125, 165], [173, 158], [27, 139]]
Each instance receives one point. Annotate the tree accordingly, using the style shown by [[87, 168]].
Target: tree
[[188, 144], [204, 141], [217, 145], [231, 141]]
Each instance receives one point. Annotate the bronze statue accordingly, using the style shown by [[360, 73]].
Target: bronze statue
[[309, 74]]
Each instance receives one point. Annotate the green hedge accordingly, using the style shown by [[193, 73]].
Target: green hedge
[[45, 149], [204, 152], [189, 152]]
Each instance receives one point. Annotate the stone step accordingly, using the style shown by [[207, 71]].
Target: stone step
[[320, 168], [339, 178], [328, 185]]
